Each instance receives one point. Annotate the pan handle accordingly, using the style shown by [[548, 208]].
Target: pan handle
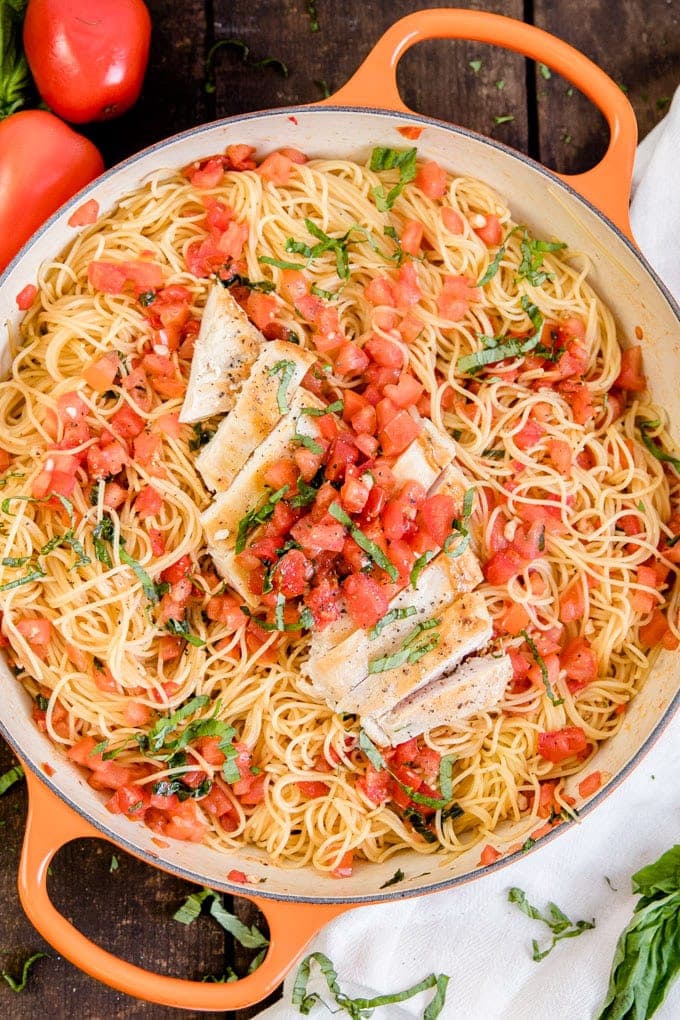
[[51, 824], [607, 185]]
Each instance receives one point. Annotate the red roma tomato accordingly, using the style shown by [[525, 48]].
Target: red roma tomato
[[42, 164], [88, 57]]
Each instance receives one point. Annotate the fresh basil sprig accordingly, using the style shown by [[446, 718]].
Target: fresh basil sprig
[[556, 920], [391, 159]]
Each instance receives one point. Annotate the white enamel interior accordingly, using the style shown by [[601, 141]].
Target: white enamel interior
[[536, 198]]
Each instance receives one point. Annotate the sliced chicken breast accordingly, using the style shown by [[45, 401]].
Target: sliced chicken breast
[[248, 491], [465, 628], [226, 346], [427, 456], [340, 666], [477, 685], [273, 380]]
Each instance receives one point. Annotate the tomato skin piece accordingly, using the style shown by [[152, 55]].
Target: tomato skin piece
[[366, 599], [488, 856], [590, 785], [88, 57], [42, 164], [26, 296], [85, 214], [558, 745]]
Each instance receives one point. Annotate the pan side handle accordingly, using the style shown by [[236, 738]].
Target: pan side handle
[[606, 185], [51, 824]]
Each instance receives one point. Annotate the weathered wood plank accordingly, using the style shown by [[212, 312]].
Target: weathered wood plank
[[435, 77], [637, 44]]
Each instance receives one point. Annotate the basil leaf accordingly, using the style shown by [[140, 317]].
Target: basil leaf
[[181, 629], [397, 877], [279, 263], [390, 159], [388, 618], [9, 778], [337, 407], [420, 825], [19, 986], [654, 449], [306, 495], [309, 444], [557, 921], [420, 565], [286, 370], [258, 516], [113, 866], [407, 654], [200, 437], [250, 938], [192, 906], [148, 587], [503, 348], [371, 751], [166, 724], [494, 266], [446, 776], [543, 668], [236, 279], [365, 543], [103, 532], [532, 259], [32, 575]]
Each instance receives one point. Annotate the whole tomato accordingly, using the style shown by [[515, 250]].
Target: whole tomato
[[88, 57], [43, 162]]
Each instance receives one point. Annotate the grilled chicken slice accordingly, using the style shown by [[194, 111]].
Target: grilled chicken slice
[[465, 627], [226, 346], [427, 456], [273, 380], [336, 670], [248, 491], [477, 685]]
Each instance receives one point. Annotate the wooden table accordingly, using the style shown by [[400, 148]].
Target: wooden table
[[130, 910]]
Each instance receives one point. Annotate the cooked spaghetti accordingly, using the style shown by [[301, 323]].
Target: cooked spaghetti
[[196, 716]]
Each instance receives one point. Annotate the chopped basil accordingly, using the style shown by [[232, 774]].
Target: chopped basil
[[113, 866], [391, 159], [168, 787], [645, 428], [297, 439], [365, 543], [359, 1008], [399, 255], [452, 811], [191, 908], [9, 778], [420, 825], [527, 845], [503, 348], [556, 920], [446, 776], [491, 454], [306, 495], [28, 578], [532, 259], [258, 516], [494, 266], [337, 407], [506, 118], [279, 263], [147, 298], [327, 295], [16, 561], [543, 668], [19, 986], [313, 15], [238, 44], [42, 702], [235, 279], [200, 437], [390, 617], [305, 621], [160, 730], [103, 532], [420, 565], [286, 370], [545, 71], [103, 744], [476, 65], [148, 587], [461, 528], [181, 629], [338, 245], [371, 751], [397, 877], [379, 763], [250, 938]]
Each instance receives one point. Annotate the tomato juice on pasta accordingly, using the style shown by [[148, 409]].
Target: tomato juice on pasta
[[419, 297]]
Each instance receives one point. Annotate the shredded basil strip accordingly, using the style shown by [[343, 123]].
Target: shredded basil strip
[[297, 439], [365, 543], [148, 587], [338, 245], [543, 668], [420, 825], [446, 776], [286, 370], [388, 618], [420, 565], [191, 908], [556, 920], [9, 778], [258, 516], [379, 764], [397, 877], [327, 295], [181, 629], [32, 575], [356, 1008], [494, 266], [371, 751], [515, 347], [279, 263], [390, 159], [656, 451], [166, 724], [200, 437], [236, 279], [337, 407], [103, 532], [19, 986], [461, 528], [250, 938], [532, 259]]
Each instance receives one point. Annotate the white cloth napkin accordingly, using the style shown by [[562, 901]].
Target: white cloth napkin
[[472, 933]]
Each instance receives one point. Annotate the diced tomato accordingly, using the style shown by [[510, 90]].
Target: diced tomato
[[381, 291], [237, 876], [136, 713], [579, 398], [631, 377], [170, 647], [394, 521], [399, 433], [185, 823], [579, 662], [559, 745], [590, 785], [37, 633], [405, 393], [384, 352], [101, 372], [132, 801], [350, 360], [364, 422], [491, 233], [255, 793], [560, 454], [108, 277], [149, 502], [375, 785], [127, 423], [437, 513], [293, 571], [341, 455], [261, 308], [26, 296], [318, 537], [240, 157], [81, 753], [108, 460], [488, 856], [276, 168], [572, 601], [529, 540], [407, 289], [204, 257], [412, 237], [148, 452], [225, 609], [344, 867], [452, 220], [431, 179], [85, 214], [366, 599], [178, 570], [322, 601], [354, 495], [313, 789], [529, 435], [503, 565], [652, 633], [456, 296], [514, 620], [294, 284], [111, 775], [208, 175]]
